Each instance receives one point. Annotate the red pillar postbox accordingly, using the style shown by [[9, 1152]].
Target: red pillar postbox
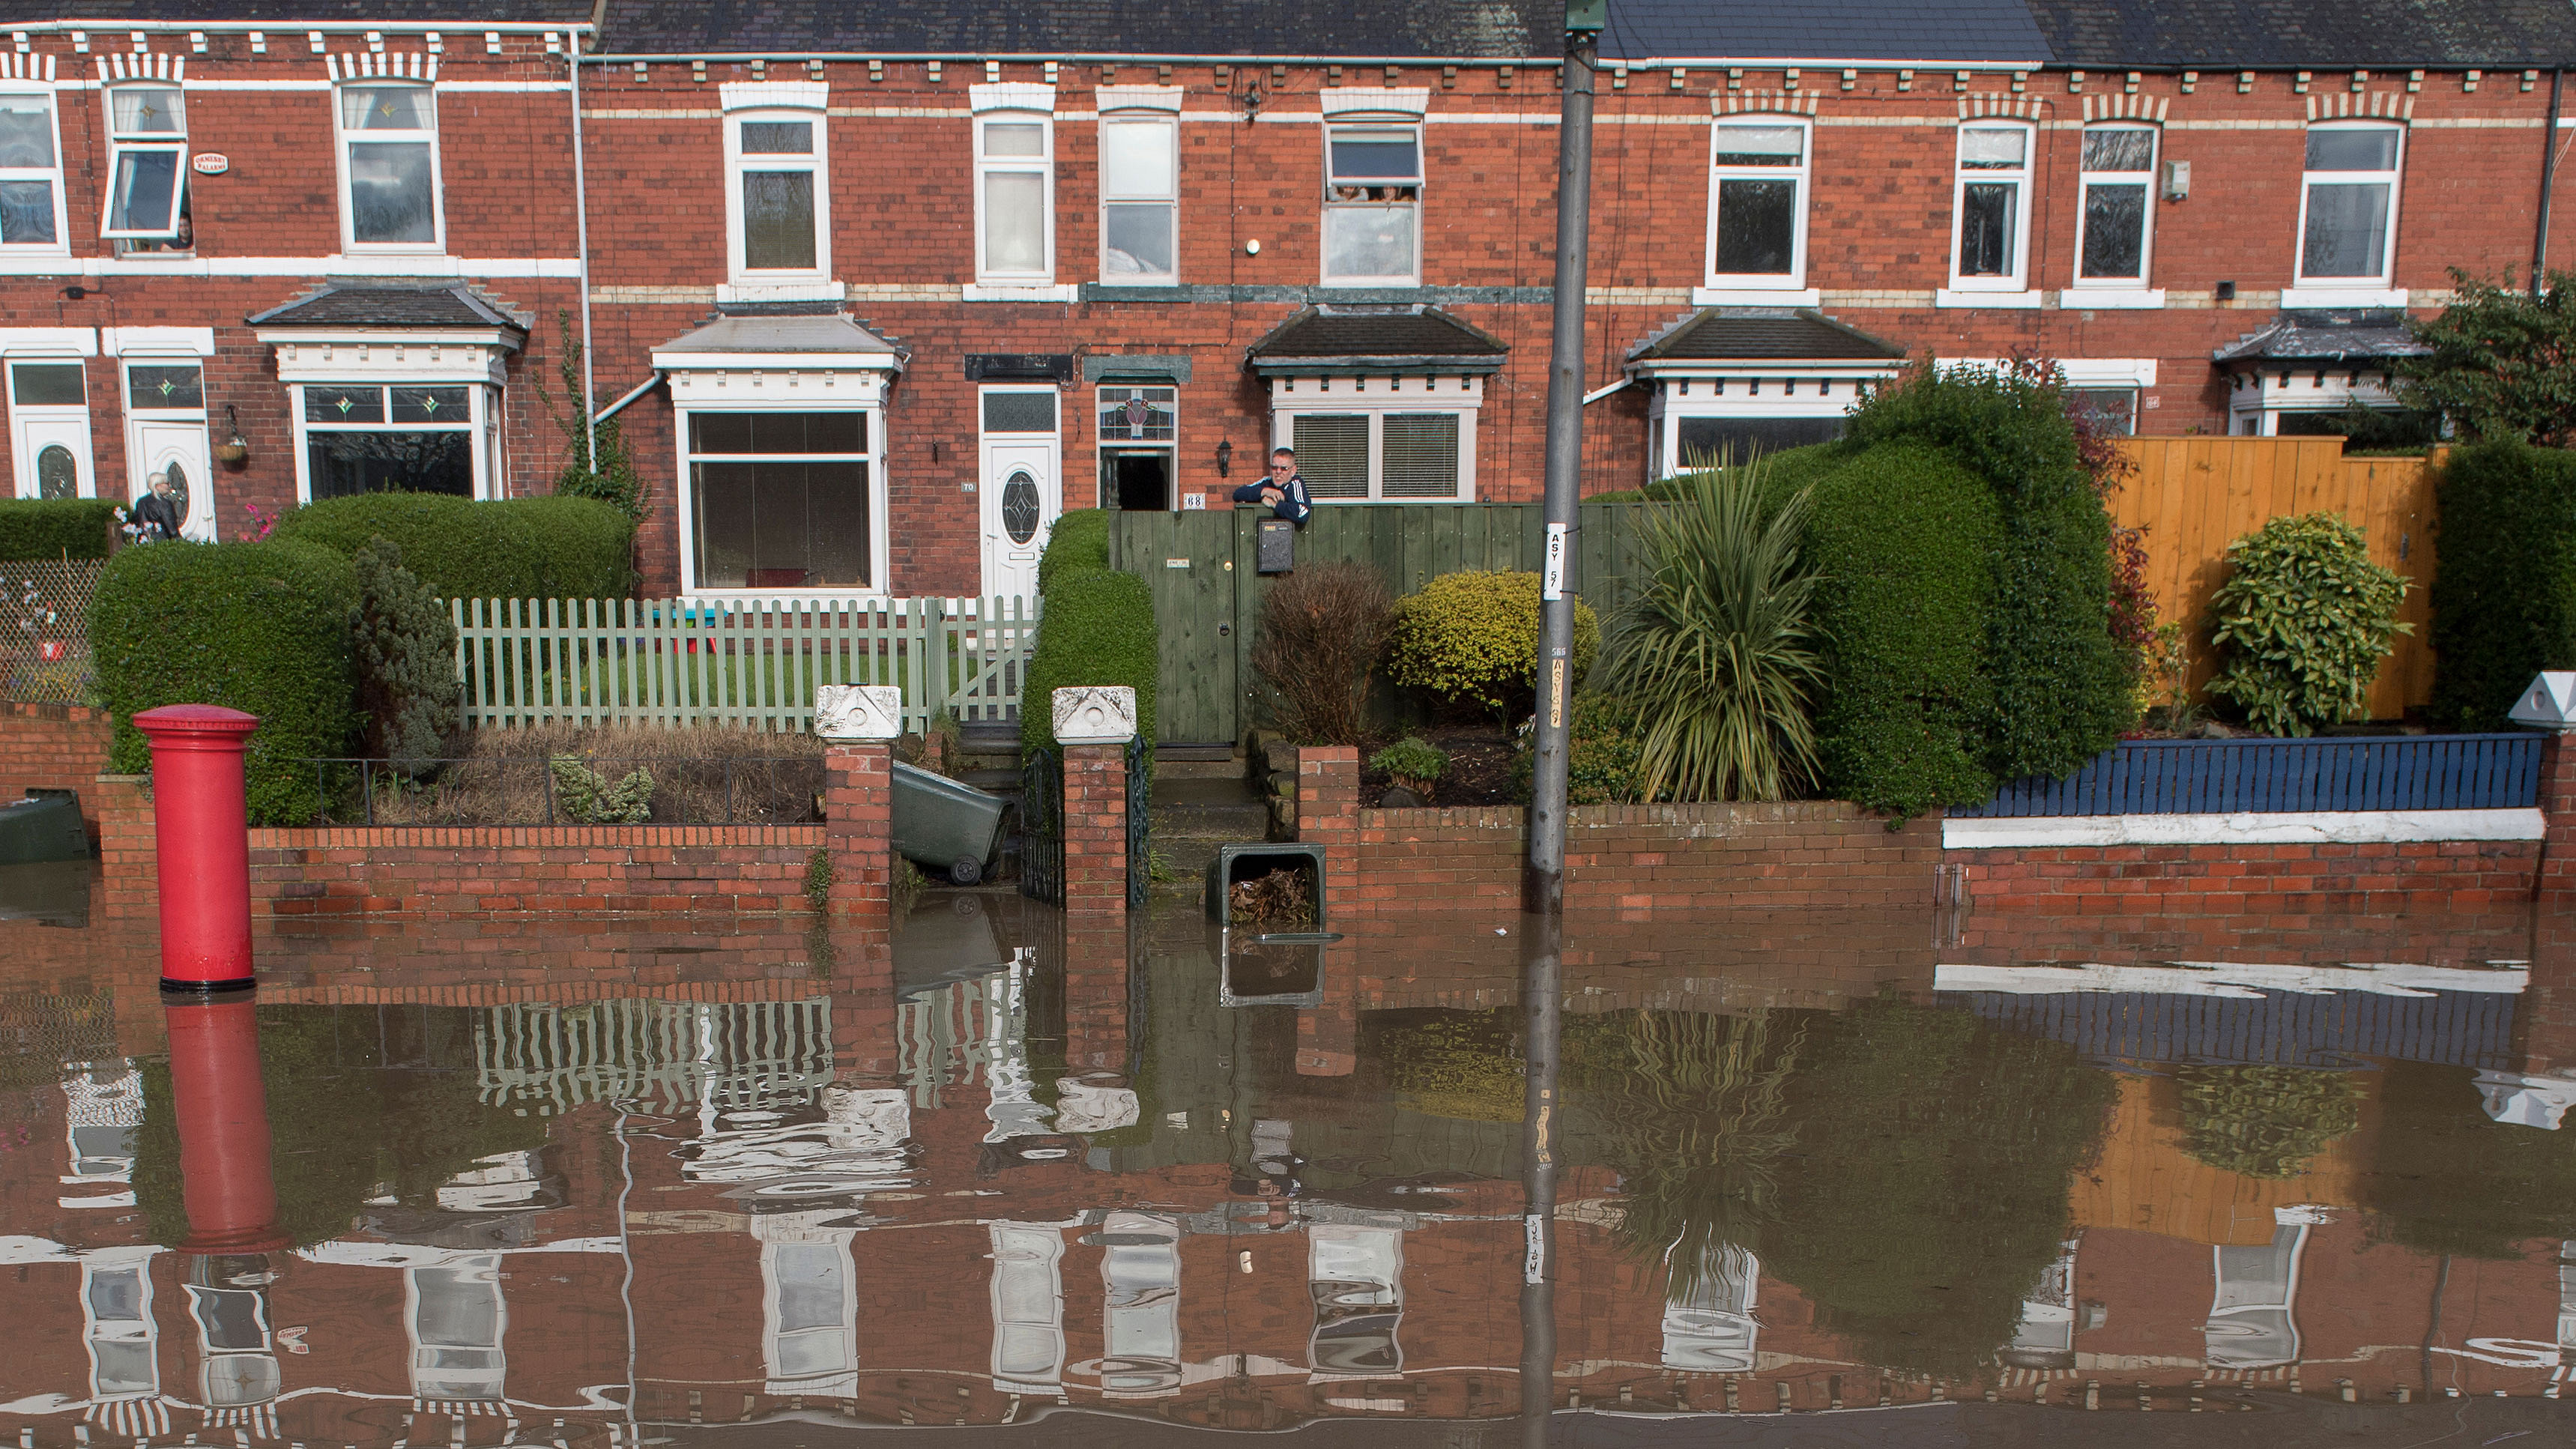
[[201, 844], [220, 1106]]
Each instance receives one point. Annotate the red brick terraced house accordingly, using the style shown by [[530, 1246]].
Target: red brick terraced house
[[876, 291]]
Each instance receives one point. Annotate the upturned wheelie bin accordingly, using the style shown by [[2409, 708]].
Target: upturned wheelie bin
[[943, 824]]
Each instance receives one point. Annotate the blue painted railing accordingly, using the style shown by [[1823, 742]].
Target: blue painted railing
[[2379, 772]]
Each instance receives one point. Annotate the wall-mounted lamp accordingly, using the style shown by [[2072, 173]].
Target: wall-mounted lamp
[[234, 449], [1225, 458]]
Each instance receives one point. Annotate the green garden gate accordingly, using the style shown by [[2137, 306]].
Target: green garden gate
[[1207, 592]]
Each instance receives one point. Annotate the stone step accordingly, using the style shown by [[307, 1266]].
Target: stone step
[[1166, 768]]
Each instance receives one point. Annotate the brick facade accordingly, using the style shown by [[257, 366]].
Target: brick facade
[[897, 152]]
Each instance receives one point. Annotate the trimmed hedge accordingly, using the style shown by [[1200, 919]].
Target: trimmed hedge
[[1097, 628], [1079, 540], [2061, 683], [1904, 539], [37, 528], [516, 548], [262, 627], [2504, 591]]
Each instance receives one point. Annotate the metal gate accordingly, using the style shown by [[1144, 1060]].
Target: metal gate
[[1042, 827], [1140, 844]]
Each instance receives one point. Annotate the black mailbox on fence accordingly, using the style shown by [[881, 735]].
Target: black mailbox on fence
[[1275, 547]]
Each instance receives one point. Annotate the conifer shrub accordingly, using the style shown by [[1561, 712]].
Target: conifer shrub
[[1903, 540], [2504, 591], [258, 627], [403, 644]]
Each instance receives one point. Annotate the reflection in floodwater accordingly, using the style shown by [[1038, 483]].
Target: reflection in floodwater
[[1000, 1171]]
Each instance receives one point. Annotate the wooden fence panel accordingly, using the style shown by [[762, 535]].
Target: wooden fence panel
[[2194, 496]]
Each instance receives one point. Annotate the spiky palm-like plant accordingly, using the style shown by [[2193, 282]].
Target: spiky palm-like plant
[[1717, 650]]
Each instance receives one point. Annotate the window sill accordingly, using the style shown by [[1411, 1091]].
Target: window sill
[[2111, 299], [1757, 297], [2327, 297], [1022, 292], [2021, 301], [1366, 284], [823, 291]]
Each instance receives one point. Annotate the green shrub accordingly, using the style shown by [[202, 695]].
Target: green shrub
[[404, 647], [34, 528], [1098, 628], [1416, 764], [1902, 540], [1717, 648], [2264, 1121], [1323, 629], [1605, 754], [260, 627], [1471, 639], [2302, 623], [596, 465], [2504, 593], [588, 797], [2060, 683], [1078, 542], [2502, 363], [518, 548]]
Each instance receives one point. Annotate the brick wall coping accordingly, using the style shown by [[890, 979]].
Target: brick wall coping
[[2319, 827], [2248, 979], [526, 837], [1722, 814]]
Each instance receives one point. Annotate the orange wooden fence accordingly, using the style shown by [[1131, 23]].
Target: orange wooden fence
[[2194, 496]]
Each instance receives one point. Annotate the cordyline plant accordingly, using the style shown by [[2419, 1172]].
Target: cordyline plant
[[2302, 623], [1717, 650]]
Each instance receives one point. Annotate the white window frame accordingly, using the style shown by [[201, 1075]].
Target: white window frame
[[1795, 279], [1376, 398], [28, 423], [2381, 281], [343, 138], [1043, 166], [121, 145], [753, 103], [1989, 291], [2085, 182], [1341, 125], [774, 398], [53, 176], [1734, 394], [1171, 197], [483, 400]]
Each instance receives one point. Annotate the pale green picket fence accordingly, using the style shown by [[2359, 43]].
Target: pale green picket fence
[[750, 664]]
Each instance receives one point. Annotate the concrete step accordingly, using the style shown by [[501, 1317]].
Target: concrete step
[[1166, 768]]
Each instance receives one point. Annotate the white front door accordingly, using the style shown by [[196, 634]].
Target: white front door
[[1020, 502], [178, 449]]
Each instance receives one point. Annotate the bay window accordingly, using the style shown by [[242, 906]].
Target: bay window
[[1757, 216], [2348, 205], [1372, 205], [31, 175], [405, 438], [388, 137], [1383, 448], [1139, 199], [1015, 199], [781, 500], [1990, 208], [147, 187], [2119, 206]]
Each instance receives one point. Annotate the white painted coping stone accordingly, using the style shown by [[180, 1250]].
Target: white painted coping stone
[[2317, 827]]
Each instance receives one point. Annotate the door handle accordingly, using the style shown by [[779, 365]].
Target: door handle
[[1224, 629]]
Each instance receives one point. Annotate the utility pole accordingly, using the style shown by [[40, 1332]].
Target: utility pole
[[1543, 874]]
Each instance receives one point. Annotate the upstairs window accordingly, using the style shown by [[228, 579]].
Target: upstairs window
[[147, 188], [1991, 205], [1015, 199], [2348, 205], [389, 167], [1372, 205], [31, 176], [1139, 200], [1757, 225], [2119, 168], [779, 196]]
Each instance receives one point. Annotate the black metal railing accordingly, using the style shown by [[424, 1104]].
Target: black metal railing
[[1042, 827], [570, 790], [1140, 797]]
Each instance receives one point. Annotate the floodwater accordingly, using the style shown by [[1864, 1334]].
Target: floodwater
[[1804, 1179]]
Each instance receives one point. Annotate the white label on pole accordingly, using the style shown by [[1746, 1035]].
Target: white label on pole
[[1552, 582], [1534, 1248]]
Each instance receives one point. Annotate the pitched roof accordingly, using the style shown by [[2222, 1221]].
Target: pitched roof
[[1920, 30], [1764, 334], [1395, 29], [2356, 33], [338, 306], [1347, 338], [2356, 335], [774, 333]]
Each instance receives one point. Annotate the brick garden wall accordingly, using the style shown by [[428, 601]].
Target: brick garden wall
[[499, 869], [54, 747], [2267, 880]]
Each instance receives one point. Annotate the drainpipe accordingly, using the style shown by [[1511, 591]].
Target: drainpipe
[[581, 236], [2548, 183]]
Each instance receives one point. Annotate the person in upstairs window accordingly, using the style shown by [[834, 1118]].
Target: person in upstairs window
[[158, 513], [1283, 490]]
